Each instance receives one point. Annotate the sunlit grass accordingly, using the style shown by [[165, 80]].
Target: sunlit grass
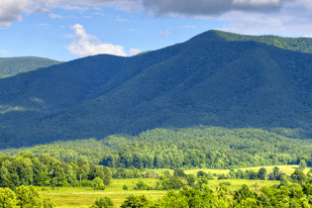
[[84, 197]]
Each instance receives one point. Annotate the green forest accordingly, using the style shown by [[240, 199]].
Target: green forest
[[19, 175], [13, 66], [197, 147]]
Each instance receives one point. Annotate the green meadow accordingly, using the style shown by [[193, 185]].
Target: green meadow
[[85, 196]]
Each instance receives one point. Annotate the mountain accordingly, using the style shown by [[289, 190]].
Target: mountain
[[209, 80], [13, 66]]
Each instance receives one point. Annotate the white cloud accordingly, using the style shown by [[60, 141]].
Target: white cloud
[[165, 33], [3, 51], [55, 16], [128, 30], [307, 36], [12, 9], [270, 16], [286, 22], [97, 8], [121, 20], [87, 45], [62, 26], [98, 13], [134, 51], [189, 26], [88, 17]]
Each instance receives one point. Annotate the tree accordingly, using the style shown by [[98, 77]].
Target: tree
[[135, 202], [7, 198], [243, 193], [191, 180], [103, 202], [98, 184], [107, 175], [298, 176], [262, 174], [174, 200], [27, 197], [302, 165], [201, 182]]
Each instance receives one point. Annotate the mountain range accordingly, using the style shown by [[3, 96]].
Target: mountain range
[[214, 79], [13, 66]]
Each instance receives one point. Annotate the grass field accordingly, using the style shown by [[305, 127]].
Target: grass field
[[288, 169], [84, 197]]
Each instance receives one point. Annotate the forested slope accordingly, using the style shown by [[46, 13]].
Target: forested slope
[[208, 80], [200, 147], [13, 66]]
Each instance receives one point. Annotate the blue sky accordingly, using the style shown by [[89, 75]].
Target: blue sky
[[67, 29]]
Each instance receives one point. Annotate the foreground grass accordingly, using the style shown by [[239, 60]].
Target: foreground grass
[[84, 197]]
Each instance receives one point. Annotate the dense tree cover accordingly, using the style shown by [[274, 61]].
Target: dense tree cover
[[23, 197], [26, 169], [12, 66], [209, 148], [202, 147], [294, 44], [209, 81], [284, 195]]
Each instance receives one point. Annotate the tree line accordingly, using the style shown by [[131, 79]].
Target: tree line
[[26, 169]]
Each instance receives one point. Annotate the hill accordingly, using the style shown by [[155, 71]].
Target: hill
[[208, 80], [201, 147], [13, 66]]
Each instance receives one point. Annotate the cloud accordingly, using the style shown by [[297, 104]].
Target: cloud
[[55, 16], [121, 20], [128, 30], [134, 51], [165, 33], [87, 17], [3, 51], [307, 36], [12, 9], [210, 7], [285, 22], [98, 13], [87, 45], [189, 26]]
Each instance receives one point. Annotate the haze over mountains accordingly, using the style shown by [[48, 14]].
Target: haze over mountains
[[214, 79]]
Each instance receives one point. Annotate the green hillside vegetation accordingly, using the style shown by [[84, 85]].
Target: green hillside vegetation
[[13, 66], [205, 81], [197, 147], [294, 44], [19, 173]]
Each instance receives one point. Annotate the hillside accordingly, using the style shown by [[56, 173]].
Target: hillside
[[207, 80], [13, 66], [201, 147]]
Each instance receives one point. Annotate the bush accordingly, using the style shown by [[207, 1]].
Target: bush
[[98, 184], [125, 187], [103, 202], [135, 202]]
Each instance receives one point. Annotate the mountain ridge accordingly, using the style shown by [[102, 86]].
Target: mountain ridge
[[232, 84], [14, 65]]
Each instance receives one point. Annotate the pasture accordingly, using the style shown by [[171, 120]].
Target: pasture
[[79, 197]]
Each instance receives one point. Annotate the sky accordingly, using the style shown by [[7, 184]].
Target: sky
[[64, 30]]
